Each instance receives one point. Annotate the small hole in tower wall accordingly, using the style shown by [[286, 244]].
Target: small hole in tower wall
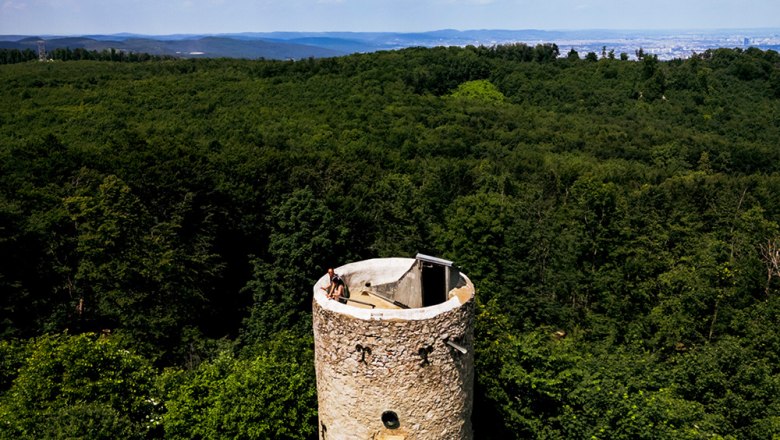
[[390, 420], [424, 352]]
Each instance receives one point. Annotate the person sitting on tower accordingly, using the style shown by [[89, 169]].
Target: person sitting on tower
[[335, 289]]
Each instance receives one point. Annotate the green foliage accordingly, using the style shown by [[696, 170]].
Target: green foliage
[[12, 356], [131, 270], [13, 56], [741, 388], [271, 395], [479, 90], [304, 234], [186, 206], [79, 387]]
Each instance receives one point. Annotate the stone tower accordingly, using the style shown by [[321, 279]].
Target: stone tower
[[396, 360]]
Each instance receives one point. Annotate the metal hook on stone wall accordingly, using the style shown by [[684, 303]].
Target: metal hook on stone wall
[[363, 351], [456, 346]]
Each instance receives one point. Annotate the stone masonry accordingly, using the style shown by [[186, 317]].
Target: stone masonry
[[371, 364]]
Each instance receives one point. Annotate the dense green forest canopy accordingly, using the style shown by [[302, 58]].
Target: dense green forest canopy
[[13, 56], [162, 222]]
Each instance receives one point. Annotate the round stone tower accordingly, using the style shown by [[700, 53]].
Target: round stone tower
[[395, 361]]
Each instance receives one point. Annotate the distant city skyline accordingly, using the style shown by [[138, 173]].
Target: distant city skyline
[[155, 17]]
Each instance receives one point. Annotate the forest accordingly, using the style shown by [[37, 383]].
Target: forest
[[162, 223], [13, 56]]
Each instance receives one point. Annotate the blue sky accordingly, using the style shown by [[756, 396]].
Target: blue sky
[[36, 17]]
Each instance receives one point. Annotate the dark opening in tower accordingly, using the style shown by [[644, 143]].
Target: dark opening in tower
[[435, 274], [434, 286]]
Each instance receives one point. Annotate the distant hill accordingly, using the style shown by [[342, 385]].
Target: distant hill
[[212, 47], [298, 45]]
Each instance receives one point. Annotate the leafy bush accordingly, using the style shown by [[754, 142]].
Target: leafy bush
[[271, 395], [80, 386]]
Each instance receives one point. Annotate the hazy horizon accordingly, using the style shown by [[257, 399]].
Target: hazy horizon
[[151, 17], [589, 30]]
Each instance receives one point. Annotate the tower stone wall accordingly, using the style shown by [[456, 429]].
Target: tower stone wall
[[397, 374]]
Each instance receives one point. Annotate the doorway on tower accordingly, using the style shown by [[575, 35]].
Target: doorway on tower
[[436, 275]]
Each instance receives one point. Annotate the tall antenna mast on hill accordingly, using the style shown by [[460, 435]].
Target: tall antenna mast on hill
[[41, 50]]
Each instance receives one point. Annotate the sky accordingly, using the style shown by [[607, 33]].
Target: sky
[[163, 17]]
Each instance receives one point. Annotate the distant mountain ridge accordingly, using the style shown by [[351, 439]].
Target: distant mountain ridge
[[298, 45], [191, 47]]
